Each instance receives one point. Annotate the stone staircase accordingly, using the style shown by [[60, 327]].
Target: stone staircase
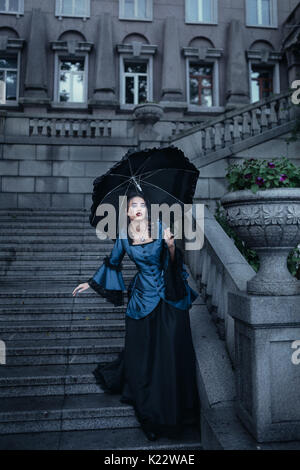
[[49, 398]]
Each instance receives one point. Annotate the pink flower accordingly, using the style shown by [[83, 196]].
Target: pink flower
[[271, 164]]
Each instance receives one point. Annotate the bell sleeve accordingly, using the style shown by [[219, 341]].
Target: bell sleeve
[[108, 280], [175, 273]]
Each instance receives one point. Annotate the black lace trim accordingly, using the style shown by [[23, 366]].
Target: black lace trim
[[116, 297], [108, 264], [175, 288]]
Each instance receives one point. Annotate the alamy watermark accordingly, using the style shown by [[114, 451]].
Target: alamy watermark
[[296, 354], [2, 352], [183, 221], [296, 95]]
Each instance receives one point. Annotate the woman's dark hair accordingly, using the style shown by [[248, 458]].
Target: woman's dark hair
[[134, 193]]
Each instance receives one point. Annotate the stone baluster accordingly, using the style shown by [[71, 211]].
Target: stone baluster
[[283, 111], [218, 136], [273, 115], [59, 127], [236, 129], [255, 127], [227, 132], [208, 143], [105, 128], [44, 127], [264, 118], [52, 125], [246, 125], [34, 124]]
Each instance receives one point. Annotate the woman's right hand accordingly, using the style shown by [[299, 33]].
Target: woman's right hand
[[80, 288]]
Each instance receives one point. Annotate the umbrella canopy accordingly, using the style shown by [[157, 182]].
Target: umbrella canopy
[[164, 175]]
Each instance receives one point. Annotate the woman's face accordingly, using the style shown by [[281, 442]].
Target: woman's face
[[137, 209]]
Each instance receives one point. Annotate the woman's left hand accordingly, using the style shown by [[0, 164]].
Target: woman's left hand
[[169, 237]]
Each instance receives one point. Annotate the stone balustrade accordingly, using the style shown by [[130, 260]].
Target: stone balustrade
[[219, 268], [235, 126]]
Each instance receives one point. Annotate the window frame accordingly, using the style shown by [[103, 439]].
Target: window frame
[[149, 61], [214, 13], [275, 77], [149, 7], [214, 62], [60, 15], [273, 15], [65, 56], [19, 12], [18, 55]]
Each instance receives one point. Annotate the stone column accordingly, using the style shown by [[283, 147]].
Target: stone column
[[36, 85], [267, 348], [172, 89], [105, 81], [237, 88]]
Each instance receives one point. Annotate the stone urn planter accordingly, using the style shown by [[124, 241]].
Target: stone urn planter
[[148, 113], [269, 223]]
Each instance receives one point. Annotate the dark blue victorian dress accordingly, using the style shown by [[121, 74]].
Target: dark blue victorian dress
[[156, 371]]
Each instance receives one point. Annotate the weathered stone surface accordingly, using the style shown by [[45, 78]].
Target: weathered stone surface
[[34, 168], [51, 185], [18, 184]]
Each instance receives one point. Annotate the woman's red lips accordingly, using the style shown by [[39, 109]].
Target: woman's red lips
[[138, 213]]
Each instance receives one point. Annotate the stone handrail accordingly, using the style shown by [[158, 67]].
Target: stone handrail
[[219, 267], [235, 126]]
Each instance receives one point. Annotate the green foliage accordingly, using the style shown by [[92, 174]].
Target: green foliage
[[250, 255], [256, 174]]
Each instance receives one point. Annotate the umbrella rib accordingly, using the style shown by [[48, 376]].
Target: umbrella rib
[[151, 184]]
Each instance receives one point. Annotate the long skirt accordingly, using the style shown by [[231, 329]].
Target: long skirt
[[156, 371]]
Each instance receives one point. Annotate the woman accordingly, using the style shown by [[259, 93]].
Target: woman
[[156, 371]]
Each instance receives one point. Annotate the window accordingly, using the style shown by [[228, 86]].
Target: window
[[77, 8], [201, 84], [261, 82], [71, 86], [135, 10], [201, 11], [261, 13], [8, 79], [135, 82], [14, 7]]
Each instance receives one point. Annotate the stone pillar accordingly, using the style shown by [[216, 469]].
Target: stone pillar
[[237, 88], [293, 61], [36, 86], [105, 81], [267, 348], [172, 89]]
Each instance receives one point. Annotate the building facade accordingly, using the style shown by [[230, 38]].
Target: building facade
[[84, 80]]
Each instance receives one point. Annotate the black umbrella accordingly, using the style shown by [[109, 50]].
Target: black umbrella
[[163, 175]]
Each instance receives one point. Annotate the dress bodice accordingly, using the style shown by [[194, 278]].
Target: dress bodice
[[157, 276]]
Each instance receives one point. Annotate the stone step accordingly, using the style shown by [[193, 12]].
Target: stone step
[[38, 315], [44, 224], [46, 380], [101, 439], [62, 351], [53, 239], [53, 266], [65, 412], [55, 329], [46, 247], [36, 292], [44, 257], [18, 279]]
